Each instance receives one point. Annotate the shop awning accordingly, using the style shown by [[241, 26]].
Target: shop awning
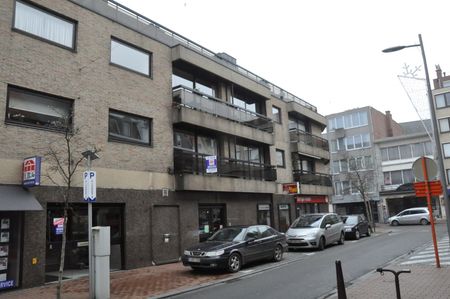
[[15, 198]]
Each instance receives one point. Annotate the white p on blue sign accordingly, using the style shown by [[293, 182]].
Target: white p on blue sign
[[89, 186]]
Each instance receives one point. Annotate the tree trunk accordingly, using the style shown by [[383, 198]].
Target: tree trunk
[[63, 253]]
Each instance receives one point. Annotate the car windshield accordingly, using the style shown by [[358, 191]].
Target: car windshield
[[350, 220], [228, 234], [307, 221]]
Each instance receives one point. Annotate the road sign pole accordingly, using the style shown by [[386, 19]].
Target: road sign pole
[[91, 265], [430, 209]]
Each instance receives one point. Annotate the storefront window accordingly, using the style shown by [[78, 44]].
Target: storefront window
[[10, 237], [210, 219], [77, 256]]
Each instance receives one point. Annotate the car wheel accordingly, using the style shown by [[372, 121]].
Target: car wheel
[[357, 235], [394, 223], [322, 244], [234, 263], [341, 239], [278, 254], [424, 222]]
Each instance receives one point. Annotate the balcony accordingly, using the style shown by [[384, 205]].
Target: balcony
[[310, 145], [300, 109], [313, 183], [205, 111], [232, 175]]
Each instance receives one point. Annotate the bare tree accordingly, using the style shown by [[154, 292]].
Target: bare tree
[[63, 157], [363, 181]]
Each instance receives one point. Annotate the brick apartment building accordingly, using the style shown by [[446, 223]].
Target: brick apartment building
[[158, 106]]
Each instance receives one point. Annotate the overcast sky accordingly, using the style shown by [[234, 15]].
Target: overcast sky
[[326, 52]]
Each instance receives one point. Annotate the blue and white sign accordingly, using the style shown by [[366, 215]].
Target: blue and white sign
[[89, 186], [211, 164], [31, 172], [7, 284]]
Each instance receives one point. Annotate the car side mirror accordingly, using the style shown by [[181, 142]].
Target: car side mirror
[[327, 226]]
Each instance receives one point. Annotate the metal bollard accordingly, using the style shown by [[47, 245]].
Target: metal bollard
[[396, 274], [340, 281]]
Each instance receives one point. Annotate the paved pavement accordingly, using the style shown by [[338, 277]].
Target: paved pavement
[[424, 281], [165, 280]]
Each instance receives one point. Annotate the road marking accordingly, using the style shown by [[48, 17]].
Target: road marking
[[426, 256]]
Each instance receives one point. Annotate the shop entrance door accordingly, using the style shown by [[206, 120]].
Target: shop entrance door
[[166, 234], [210, 219]]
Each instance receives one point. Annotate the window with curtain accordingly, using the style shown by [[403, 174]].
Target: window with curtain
[[444, 125], [185, 141], [37, 109], [129, 128], [130, 57], [207, 145], [442, 100], [280, 158], [446, 149], [44, 24]]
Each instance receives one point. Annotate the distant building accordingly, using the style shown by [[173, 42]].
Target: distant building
[[351, 135], [395, 156]]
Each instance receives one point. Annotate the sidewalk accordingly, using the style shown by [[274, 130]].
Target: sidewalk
[[424, 281]]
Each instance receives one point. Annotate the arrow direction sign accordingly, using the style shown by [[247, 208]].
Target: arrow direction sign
[[89, 186]]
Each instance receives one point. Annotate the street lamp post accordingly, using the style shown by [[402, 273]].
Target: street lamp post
[[435, 126]]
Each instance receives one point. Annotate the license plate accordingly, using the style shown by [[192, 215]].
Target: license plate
[[296, 241], [194, 260]]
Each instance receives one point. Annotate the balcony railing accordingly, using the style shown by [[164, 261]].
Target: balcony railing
[[276, 91], [193, 99], [312, 178], [194, 163], [308, 139]]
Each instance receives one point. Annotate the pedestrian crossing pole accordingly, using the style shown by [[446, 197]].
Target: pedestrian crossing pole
[[430, 209]]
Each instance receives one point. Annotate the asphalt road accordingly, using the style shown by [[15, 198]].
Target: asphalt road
[[311, 274]]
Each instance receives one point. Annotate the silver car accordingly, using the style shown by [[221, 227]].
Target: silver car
[[411, 216], [315, 231]]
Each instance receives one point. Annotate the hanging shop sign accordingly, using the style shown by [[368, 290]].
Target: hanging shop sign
[[211, 164], [291, 188], [31, 171]]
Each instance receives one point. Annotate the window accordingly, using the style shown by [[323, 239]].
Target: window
[[276, 114], [357, 141], [448, 176], [353, 120], [296, 124], [44, 24], [338, 188], [37, 109], [394, 154], [398, 177], [130, 57], [418, 149], [405, 151], [442, 100], [206, 145], [446, 148], [384, 154], [444, 125], [184, 141], [129, 128], [280, 158]]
